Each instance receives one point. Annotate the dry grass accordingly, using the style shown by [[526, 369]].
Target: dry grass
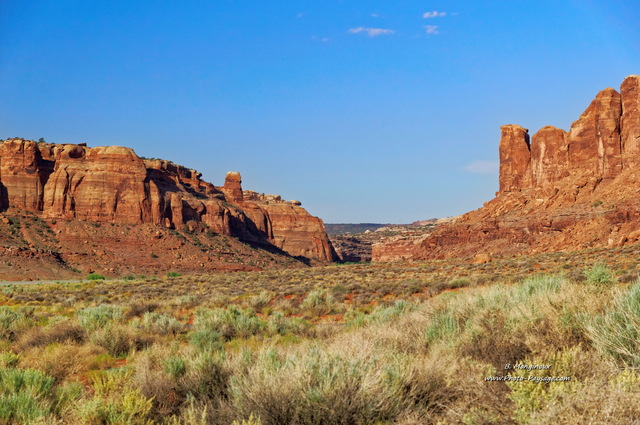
[[361, 344]]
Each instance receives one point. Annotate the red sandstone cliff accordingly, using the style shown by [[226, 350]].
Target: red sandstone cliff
[[558, 190], [113, 185]]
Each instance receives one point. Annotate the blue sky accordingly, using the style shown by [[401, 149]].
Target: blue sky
[[366, 111]]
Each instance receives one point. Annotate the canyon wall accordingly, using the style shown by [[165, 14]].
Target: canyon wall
[[113, 185], [557, 190]]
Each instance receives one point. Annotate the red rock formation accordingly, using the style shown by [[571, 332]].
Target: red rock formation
[[112, 184], [549, 156], [233, 187], [97, 184], [630, 120], [515, 158], [23, 172], [560, 191], [295, 230], [594, 139]]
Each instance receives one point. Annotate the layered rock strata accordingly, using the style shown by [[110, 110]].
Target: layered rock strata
[[557, 190], [113, 185]]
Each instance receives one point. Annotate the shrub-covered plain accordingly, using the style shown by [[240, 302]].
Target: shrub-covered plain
[[432, 343]]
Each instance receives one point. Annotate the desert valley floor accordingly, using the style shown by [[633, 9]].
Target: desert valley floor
[[404, 343]]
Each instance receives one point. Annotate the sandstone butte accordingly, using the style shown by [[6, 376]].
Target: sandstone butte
[[112, 185], [558, 190]]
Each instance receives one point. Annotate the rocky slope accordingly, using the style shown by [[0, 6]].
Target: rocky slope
[[399, 240], [91, 187], [558, 190]]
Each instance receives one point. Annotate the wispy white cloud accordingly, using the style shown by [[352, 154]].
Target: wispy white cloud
[[482, 167], [371, 32], [434, 14], [375, 15], [320, 39], [299, 15], [431, 29]]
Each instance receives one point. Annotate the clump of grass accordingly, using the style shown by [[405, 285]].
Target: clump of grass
[[320, 386], [318, 302], [29, 395], [175, 366], [8, 360], [260, 300], [117, 339], [443, 325], [137, 309], [229, 323], [14, 321], [181, 382], [382, 314], [616, 333], [599, 274], [92, 318], [95, 276], [64, 331], [251, 420], [161, 324], [537, 284], [279, 324], [115, 401]]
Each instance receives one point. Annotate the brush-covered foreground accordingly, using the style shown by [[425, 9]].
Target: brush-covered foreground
[[354, 344]]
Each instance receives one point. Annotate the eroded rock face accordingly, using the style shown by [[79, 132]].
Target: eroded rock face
[[549, 156], [23, 173], [97, 184], [112, 184], [559, 191], [296, 231], [515, 158], [630, 120], [594, 139], [599, 144], [233, 187]]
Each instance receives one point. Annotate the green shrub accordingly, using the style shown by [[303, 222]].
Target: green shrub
[[317, 386], [386, 314], [29, 395], [95, 276], [115, 402], [8, 360], [443, 325], [319, 301], [162, 324], [533, 393], [173, 274], [599, 274], [117, 339], [617, 332], [232, 322], [175, 366], [540, 283], [279, 324], [206, 340], [15, 321], [92, 318]]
